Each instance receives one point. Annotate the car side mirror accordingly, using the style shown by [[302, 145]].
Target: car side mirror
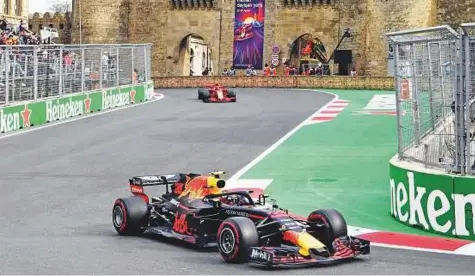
[[262, 199]]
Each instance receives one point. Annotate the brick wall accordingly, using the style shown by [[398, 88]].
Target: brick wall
[[378, 83]]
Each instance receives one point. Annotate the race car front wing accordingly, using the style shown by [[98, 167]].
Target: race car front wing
[[288, 256]]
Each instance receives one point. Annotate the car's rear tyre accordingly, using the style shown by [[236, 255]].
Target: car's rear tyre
[[235, 238], [205, 96], [200, 94], [335, 226], [130, 215], [232, 94]]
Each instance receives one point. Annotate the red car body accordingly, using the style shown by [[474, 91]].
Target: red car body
[[216, 93]]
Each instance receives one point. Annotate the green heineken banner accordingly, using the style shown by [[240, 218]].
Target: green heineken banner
[[436, 203], [37, 113]]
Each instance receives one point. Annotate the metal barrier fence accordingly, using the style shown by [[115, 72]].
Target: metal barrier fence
[[33, 72], [435, 77], [468, 99]]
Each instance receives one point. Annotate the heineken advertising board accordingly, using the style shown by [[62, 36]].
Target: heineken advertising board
[[436, 203], [37, 113]]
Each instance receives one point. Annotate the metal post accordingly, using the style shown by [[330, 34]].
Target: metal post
[[149, 58], [101, 68], [398, 102], [426, 155], [145, 66], [14, 77], [415, 98], [442, 78], [7, 75], [431, 91], [61, 52], [459, 124], [133, 65], [117, 68], [83, 76], [468, 87], [47, 90], [35, 73]]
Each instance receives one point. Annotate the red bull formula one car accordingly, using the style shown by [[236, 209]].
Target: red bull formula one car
[[196, 209], [216, 93]]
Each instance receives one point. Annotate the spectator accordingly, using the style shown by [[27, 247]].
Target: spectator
[[273, 71], [22, 36], [135, 75], [68, 61], [266, 70], [232, 71], [250, 71], [3, 24]]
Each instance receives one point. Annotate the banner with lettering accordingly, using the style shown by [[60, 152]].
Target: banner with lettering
[[249, 34]]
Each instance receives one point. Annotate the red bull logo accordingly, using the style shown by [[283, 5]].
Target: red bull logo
[[196, 188]]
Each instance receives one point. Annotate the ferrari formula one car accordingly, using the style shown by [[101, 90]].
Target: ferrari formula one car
[[217, 94], [196, 209]]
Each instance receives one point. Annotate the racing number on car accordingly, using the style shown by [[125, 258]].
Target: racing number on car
[[180, 225]]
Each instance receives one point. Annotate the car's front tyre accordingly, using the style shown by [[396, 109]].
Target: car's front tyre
[[334, 226], [235, 238]]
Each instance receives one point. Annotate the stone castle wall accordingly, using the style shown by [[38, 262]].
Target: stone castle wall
[[166, 22], [59, 21], [13, 12]]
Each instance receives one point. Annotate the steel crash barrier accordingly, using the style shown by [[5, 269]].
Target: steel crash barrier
[[45, 83], [431, 178]]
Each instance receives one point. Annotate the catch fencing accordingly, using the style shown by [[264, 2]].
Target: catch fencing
[[34, 72], [435, 78]]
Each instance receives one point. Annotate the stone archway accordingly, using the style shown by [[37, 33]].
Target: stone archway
[[193, 56], [307, 50]]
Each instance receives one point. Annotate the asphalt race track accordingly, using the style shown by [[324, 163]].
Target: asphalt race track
[[58, 185]]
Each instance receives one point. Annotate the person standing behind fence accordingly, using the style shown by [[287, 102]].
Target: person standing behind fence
[[266, 70], [273, 71], [135, 76], [68, 61]]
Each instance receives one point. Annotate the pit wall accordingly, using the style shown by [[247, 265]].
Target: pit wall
[[332, 82], [432, 200], [28, 114]]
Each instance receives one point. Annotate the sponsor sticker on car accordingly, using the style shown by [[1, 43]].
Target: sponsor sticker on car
[[261, 255]]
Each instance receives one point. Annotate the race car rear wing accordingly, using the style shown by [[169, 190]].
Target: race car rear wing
[[138, 182], [212, 85], [154, 180]]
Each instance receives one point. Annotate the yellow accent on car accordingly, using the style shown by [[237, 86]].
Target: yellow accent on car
[[306, 242]]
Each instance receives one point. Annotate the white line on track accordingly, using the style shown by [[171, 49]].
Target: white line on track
[[261, 156], [158, 96]]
